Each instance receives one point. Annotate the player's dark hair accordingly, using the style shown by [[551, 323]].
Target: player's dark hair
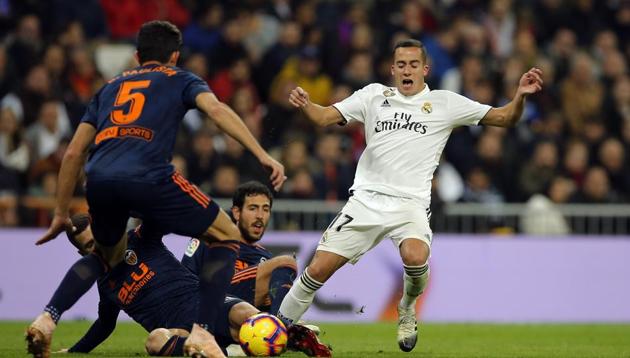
[[412, 43], [157, 40], [249, 189], [80, 222]]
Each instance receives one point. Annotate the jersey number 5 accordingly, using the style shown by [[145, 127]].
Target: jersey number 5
[[125, 95]]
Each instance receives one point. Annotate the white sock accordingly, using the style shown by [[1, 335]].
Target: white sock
[[415, 280], [299, 298]]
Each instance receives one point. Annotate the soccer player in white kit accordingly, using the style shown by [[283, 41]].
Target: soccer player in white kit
[[406, 129]]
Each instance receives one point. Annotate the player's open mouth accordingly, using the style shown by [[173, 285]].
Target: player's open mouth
[[407, 83]]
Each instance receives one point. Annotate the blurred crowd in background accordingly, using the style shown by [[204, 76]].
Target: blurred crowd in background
[[571, 146]]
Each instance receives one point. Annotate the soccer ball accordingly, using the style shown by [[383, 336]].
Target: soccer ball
[[263, 335]]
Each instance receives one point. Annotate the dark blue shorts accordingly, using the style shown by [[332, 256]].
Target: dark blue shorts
[[184, 316], [243, 284], [172, 206]]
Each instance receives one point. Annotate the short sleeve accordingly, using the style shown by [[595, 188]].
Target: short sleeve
[[463, 111], [193, 86], [354, 108], [91, 113]]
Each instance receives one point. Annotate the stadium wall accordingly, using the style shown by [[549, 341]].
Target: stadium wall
[[474, 278]]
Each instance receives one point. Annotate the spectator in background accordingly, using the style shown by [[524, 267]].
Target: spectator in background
[[26, 45], [124, 17], [581, 93], [295, 157], [14, 158], [202, 161], [305, 72], [300, 186], [500, 24], [55, 64], [276, 56], [334, 176], [84, 77], [8, 77], [537, 174], [197, 64], [576, 160], [358, 72], [262, 31], [230, 46], [596, 188], [14, 152], [561, 49], [617, 107], [612, 157], [479, 188], [28, 99], [45, 135], [541, 215], [238, 76], [224, 181], [202, 34]]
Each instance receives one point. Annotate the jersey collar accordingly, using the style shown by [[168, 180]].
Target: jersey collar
[[424, 91]]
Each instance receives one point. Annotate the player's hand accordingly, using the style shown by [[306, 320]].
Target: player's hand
[[277, 176], [299, 97], [59, 223], [531, 81], [62, 351]]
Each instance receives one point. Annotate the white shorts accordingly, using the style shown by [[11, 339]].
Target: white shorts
[[369, 217]]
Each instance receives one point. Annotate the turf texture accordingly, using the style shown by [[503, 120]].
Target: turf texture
[[379, 340]]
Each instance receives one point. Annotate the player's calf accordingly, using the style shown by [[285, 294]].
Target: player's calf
[[166, 342]]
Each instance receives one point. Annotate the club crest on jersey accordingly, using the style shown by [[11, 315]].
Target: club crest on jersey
[[131, 258], [389, 93], [427, 108], [193, 244]]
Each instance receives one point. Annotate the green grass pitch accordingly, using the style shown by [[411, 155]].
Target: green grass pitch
[[379, 340]]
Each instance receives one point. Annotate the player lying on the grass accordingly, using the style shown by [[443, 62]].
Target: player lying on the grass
[[259, 278], [154, 289]]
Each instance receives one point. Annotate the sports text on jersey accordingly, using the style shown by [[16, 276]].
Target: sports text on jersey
[[163, 69], [139, 279], [401, 121]]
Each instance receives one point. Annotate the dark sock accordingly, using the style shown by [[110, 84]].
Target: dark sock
[[75, 284], [214, 280], [174, 347], [281, 281]]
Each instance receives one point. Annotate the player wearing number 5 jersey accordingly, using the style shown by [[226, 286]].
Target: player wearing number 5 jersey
[[406, 129], [130, 126]]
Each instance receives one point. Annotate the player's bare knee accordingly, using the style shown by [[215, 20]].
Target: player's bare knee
[[156, 340], [240, 312], [414, 252]]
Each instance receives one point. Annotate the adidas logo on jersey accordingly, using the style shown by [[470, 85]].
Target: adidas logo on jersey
[[385, 103]]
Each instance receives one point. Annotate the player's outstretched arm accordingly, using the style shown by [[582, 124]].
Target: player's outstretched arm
[[320, 115], [100, 330], [71, 164], [229, 122], [508, 115]]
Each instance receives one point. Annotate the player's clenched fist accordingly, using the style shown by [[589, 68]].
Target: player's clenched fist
[[299, 97]]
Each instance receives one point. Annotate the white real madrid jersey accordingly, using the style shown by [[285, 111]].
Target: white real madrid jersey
[[405, 136]]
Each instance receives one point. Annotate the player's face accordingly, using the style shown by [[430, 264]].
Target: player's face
[[253, 218], [86, 241], [409, 70]]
